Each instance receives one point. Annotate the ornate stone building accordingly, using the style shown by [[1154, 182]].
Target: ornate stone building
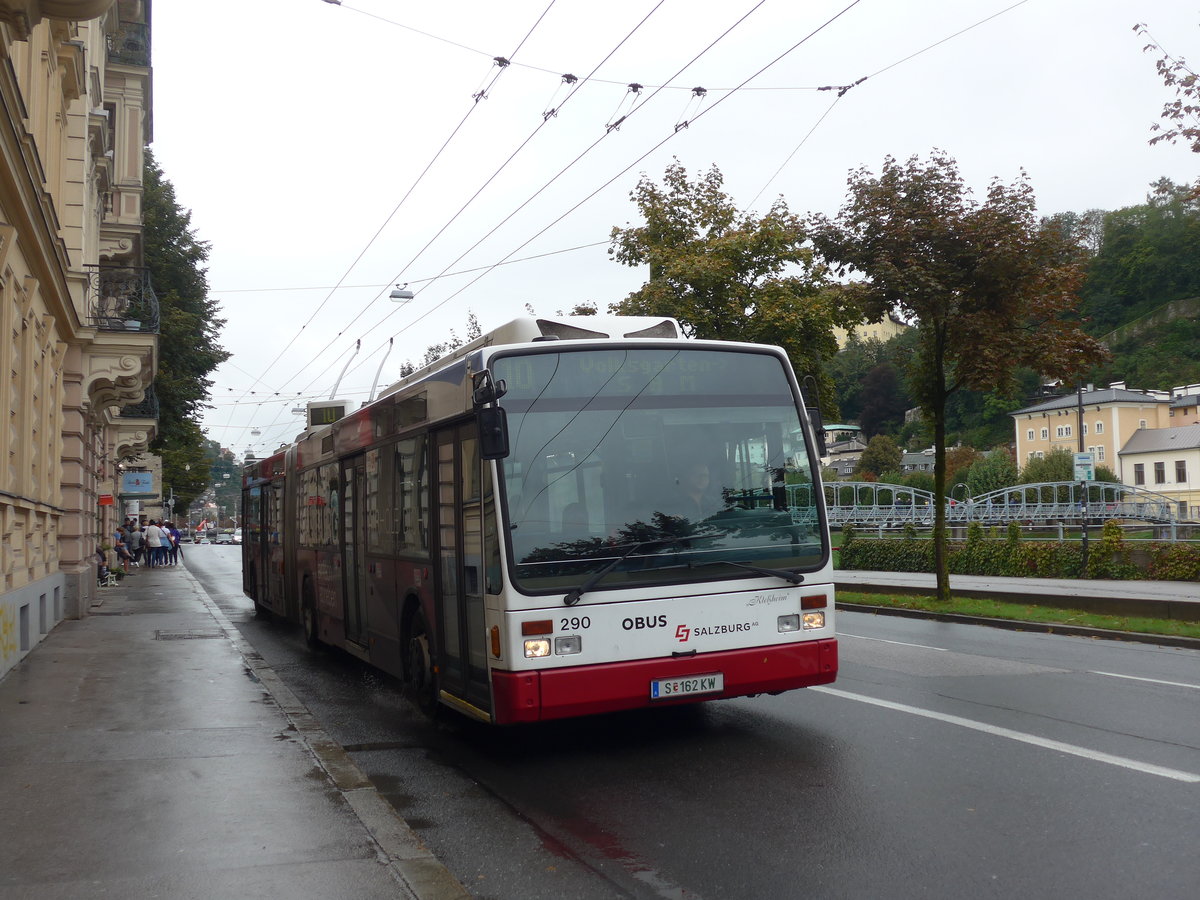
[[78, 318]]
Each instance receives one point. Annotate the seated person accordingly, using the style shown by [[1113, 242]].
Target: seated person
[[101, 566], [694, 497]]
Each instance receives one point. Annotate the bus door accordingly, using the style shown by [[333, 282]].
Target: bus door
[[252, 549], [461, 629], [272, 551], [257, 537], [354, 546]]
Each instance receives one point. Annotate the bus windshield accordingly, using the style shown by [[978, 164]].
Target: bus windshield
[[654, 465]]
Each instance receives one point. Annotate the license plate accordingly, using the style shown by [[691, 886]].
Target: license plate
[[666, 688]]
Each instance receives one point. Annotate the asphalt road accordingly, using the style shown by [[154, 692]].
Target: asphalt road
[[947, 760]]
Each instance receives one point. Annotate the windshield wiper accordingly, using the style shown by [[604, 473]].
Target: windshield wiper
[[575, 593], [792, 575]]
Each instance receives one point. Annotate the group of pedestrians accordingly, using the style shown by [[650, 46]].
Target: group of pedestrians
[[156, 544]]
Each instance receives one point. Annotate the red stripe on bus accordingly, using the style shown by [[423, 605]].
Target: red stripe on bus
[[608, 687]]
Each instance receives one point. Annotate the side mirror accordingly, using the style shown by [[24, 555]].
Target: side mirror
[[493, 432]]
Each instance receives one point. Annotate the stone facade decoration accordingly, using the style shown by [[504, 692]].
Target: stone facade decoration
[[74, 120]]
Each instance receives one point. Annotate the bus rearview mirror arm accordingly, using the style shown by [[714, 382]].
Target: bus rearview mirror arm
[[491, 420], [814, 415], [485, 389]]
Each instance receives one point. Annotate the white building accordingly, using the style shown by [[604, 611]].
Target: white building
[[1166, 461]]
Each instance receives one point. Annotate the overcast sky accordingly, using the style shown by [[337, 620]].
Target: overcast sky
[[322, 148]]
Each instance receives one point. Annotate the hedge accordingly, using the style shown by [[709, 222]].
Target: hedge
[[1109, 557]]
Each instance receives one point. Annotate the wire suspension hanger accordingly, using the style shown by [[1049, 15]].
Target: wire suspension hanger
[[630, 97]]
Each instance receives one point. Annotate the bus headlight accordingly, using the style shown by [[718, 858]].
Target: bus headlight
[[537, 648], [814, 619], [568, 645], [789, 623]]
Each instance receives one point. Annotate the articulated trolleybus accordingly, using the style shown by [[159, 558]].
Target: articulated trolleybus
[[564, 517]]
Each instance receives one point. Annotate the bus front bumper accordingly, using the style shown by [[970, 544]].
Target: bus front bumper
[[587, 690]]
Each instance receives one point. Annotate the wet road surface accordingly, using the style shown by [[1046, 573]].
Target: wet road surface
[[948, 760]]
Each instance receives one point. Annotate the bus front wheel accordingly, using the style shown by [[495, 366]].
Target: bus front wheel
[[422, 680]]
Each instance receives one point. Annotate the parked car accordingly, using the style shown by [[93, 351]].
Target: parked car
[[224, 536], [237, 535]]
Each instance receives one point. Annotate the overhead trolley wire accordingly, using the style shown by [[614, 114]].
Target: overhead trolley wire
[[413, 187], [844, 89], [841, 89], [560, 173], [557, 72], [540, 125], [619, 174], [325, 287]]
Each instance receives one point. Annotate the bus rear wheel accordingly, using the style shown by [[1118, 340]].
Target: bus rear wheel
[[422, 680]]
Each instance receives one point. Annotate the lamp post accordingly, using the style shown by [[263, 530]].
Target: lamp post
[[1083, 522]]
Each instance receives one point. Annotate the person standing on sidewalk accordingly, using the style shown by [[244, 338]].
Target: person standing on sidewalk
[[173, 539], [136, 541], [154, 543]]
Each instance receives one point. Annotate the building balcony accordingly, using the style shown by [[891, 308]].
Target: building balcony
[[136, 425], [23, 15], [146, 409], [121, 360], [120, 298], [129, 45]]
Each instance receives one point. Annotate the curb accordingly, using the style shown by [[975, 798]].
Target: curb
[[412, 864], [1136, 637]]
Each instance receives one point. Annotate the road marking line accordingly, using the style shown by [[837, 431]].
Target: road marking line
[[861, 637], [1195, 687], [1021, 736]]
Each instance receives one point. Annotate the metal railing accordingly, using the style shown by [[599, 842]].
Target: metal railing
[[120, 298], [147, 409], [882, 504], [130, 44]]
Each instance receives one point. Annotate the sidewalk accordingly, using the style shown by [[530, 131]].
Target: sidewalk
[[147, 751]]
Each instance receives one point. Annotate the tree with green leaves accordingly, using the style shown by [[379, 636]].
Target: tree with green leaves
[[882, 454], [848, 370], [996, 470], [732, 276], [988, 285], [1147, 257], [189, 329], [1057, 465], [884, 401]]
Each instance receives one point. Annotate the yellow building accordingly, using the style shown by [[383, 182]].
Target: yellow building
[[78, 319], [883, 330], [1109, 417]]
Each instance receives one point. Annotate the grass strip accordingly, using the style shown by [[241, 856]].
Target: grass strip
[[1000, 609]]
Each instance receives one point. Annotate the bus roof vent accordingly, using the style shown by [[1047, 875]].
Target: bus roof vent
[[664, 329], [564, 332]]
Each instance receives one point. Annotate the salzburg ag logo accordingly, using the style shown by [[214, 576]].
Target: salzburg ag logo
[[682, 633]]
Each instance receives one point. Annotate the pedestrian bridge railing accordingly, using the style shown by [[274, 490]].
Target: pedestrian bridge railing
[[879, 503]]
